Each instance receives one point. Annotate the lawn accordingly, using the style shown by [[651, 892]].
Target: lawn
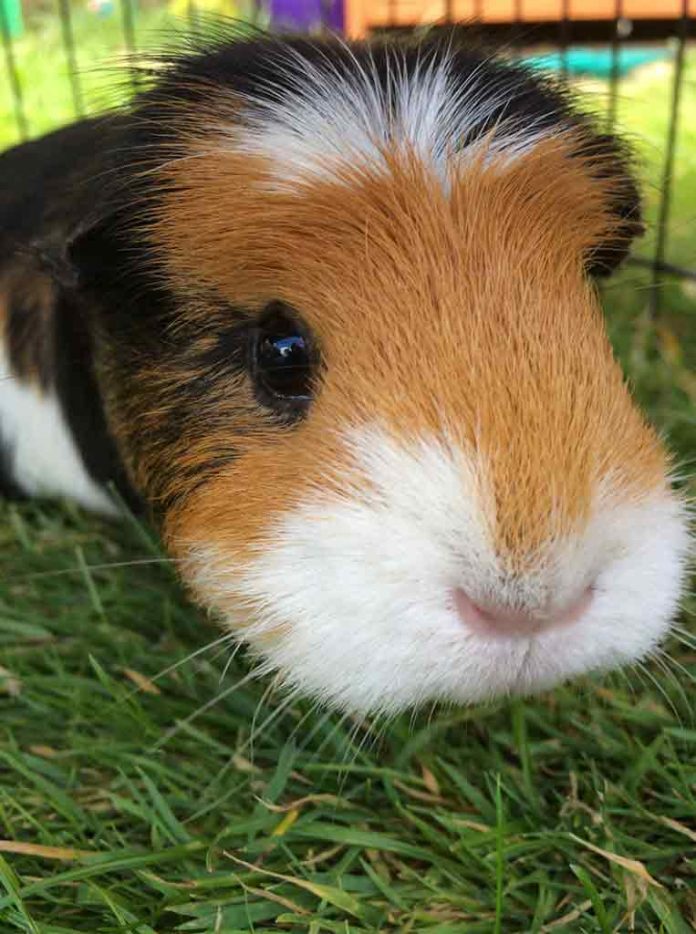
[[148, 784]]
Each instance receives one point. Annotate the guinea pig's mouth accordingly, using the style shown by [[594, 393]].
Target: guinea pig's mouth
[[497, 621], [394, 597]]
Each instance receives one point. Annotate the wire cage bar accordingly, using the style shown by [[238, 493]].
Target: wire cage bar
[[12, 73], [659, 265], [514, 24], [71, 56]]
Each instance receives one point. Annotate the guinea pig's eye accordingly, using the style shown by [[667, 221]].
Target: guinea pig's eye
[[283, 358]]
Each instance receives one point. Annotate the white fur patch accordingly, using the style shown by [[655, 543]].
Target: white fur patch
[[333, 115], [43, 458], [352, 603]]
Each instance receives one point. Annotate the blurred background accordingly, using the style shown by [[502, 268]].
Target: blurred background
[[632, 61]]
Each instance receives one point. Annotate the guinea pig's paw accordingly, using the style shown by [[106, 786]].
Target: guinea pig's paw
[[400, 589]]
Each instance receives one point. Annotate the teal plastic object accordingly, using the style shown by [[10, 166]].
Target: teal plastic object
[[596, 63], [11, 18]]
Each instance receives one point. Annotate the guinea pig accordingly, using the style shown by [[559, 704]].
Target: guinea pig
[[327, 312]]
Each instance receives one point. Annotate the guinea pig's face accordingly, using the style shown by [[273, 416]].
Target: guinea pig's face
[[401, 460]]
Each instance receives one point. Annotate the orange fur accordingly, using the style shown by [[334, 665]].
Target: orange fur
[[464, 312]]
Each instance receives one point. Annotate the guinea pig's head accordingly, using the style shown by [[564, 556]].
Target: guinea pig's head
[[353, 356]]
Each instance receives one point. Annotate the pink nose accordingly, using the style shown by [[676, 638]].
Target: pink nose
[[501, 621]]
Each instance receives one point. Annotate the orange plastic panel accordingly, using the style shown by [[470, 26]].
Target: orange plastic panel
[[363, 15]]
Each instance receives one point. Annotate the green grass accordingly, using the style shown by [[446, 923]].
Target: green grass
[[199, 801], [212, 807], [43, 68], [102, 55]]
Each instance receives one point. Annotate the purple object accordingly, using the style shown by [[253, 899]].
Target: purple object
[[307, 15]]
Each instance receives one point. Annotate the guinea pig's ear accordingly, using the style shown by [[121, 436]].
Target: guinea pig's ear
[[91, 251], [112, 268], [71, 260], [609, 161]]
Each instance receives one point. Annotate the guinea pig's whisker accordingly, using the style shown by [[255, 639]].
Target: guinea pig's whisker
[[356, 740], [373, 732], [681, 473], [684, 636], [378, 729], [278, 711], [222, 650], [655, 682], [273, 685], [640, 669], [319, 716], [622, 675], [348, 762], [673, 663], [226, 637], [350, 752], [137, 562], [637, 670], [671, 668], [182, 724], [230, 659]]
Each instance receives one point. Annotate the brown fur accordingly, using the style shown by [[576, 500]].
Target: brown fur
[[466, 313], [27, 301]]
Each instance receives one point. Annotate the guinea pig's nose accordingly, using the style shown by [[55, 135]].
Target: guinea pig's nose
[[492, 619]]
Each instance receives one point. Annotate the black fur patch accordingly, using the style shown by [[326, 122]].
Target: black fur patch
[[80, 400], [8, 485]]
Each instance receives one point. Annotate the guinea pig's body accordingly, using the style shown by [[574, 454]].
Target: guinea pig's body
[[53, 436], [327, 311]]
